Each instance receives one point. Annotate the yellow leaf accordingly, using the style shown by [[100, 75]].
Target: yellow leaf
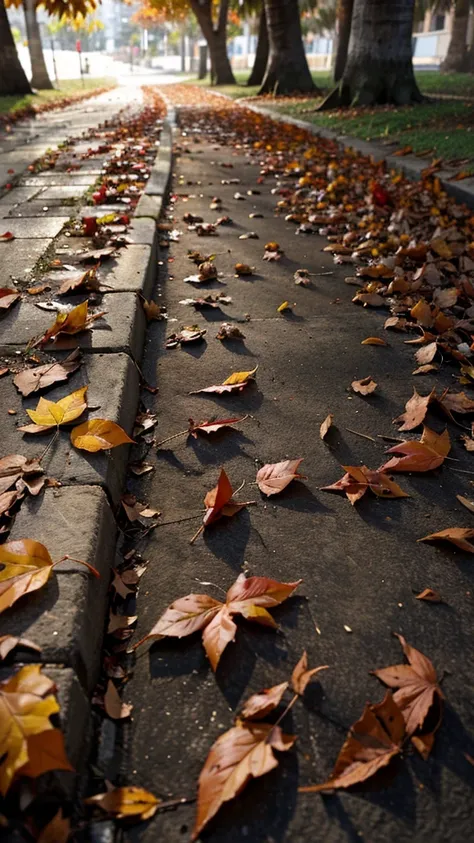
[[69, 408], [126, 802], [240, 377], [27, 567], [284, 306], [98, 435], [374, 341], [23, 712]]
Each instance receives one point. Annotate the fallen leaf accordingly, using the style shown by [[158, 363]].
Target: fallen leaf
[[415, 410], [16, 469], [152, 310], [465, 502], [50, 414], [40, 377], [274, 477], [364, 386], [302, 675], [26, 704], [427, 454], [284, 306], [358, 479], [211, 426], [250, 598], [98, 435], [455, 535], [227, 331], [455, 402], [261, 704], [8, 297], [9, 642], [78, 280], [73, 322], [34, 291], [327, 423], [234, 383], [373, 741], [140, 467], [186, 335], [244, 269], [6, 237], [97, 255], [126, 802], [46, 751], [244, 752], [426, 354], [429, 595], [374, 341], [425, 370], [57, 830], [113, 705], [416, 686]]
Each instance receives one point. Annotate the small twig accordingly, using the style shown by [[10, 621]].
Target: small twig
[[390, 438], [459, 470], [364, 435], [174, 436], [331, 272], [239, 489], [174, 803], [197, 534], [178, 520]]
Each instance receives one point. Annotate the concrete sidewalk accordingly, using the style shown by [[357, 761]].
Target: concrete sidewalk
[[361, 565]]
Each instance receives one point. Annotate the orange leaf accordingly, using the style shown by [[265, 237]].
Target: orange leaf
[[415, 410], [301, 674], [427, 454], [46, 751], [455, 535], [126, 802], [358, 479], [374, 341], [8, 297], [57, 830], [364, 386], [98, 435], [261, 704]]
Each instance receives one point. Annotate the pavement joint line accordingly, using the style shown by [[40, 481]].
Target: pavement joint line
[[106, 539]]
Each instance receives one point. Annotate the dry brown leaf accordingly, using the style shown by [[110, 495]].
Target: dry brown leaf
[[113, 705], [429, 595], [327, 423], [126, 802], [261, 704], [57, 830], [455, 535], [415, 410], [40, 377], [358, 479], [466, 502], [8, 297], [374, 341], [9, 642], [302, 675], [427, 454], [365, 386], [274, 477]]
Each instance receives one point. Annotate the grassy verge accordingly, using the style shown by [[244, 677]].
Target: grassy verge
[[444, 127], [68, 88]]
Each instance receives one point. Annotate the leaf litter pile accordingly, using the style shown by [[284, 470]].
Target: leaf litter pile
[[411, 255]]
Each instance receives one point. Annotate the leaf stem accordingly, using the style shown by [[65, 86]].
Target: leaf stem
[[197, 534], [287, 709], [67, 558], [174, 436], [49, 445]]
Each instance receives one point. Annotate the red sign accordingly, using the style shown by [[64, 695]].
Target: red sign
[[78, 46]]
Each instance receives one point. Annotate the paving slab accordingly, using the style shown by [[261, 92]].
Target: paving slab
[[113, 386], [160, 174], [32, 229], [67, 191], [38, 208], [142, 231], [74, 715], [55, 179], [19, 257], [148, 206], [121, 329], [18, 194], [65, 617], [132, 270]]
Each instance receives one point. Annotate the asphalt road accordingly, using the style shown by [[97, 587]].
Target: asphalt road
[[361, 565]]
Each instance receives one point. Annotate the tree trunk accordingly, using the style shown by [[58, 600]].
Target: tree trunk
[[183, 51], [379, 68], [287, 69], [39, 73], [12, 76], [457, 55], [261, 55], [343, 28], [216, 37]]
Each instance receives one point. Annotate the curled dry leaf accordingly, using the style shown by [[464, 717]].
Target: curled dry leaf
[[246, 751], [250, 598], [212, 426], [365, 386], [430, 596], [455, 402], [98, 435], [50, 414], [188, 334], [57, 830], [9, 642], [40, 377], [126, 802], [8, 297], [113, 705], [227, 331], [358, 479], [374, 341], [207, 301], [327, 423], [152, 310], [417, 690], [17, 470], [234, 383], [261, 704], [302, 675], [46, 751], [73, 322], [459, 536], [415, 410], [6, 237], [373, 741], [426, 354], [26, 703], [427, 454], [244, 269], [274, 477], [466, 502]]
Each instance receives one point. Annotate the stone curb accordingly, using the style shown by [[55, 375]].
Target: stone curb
[[66, 618], [409, 165]]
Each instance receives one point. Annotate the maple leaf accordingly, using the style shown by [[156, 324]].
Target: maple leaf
[[250, 598], [364, 386], [242, 753], [416, 686], [26, 704], [98, 435], [274, 477], [302, 674], [427, 454], [373, 741], [455, 535], [358, 479], [46, 751], [50, 414], [73, 322], [234, 383], [40, 377], [415, 410], [126, 802]]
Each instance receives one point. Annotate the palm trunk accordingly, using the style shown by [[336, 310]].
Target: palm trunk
[[457, 55], [216, 38], [261, 55], [343, 28], [287, 69], [379, 67], [12, 76], [39, 73]]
